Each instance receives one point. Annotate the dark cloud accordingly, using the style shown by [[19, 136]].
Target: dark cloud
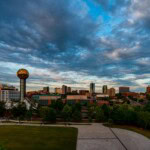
[[62, 36]]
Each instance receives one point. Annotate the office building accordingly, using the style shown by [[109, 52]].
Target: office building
[[68, 89], [124, 89], [58, 90], [112, 92], [22, 74], [148, 90], [92, 88], [46, 89], [64, 89], [105, 89]]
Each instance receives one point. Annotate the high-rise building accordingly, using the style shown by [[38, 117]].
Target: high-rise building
[[46, 89], [124, 89], [148, 90], [64, 89], [58, 90], [92, 88], [105, 89], [23, 74], [68, 89], [112, 92]]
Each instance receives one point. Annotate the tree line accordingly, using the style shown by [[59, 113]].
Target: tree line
[[123, 114]]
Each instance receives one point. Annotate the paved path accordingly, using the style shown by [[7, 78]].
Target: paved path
[[98, 137]]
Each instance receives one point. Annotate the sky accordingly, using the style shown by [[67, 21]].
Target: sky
[[76, 42]]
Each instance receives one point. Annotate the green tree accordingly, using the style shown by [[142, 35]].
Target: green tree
[[117, 115], [48, 114], [2, 109], [76, 115], [29, 114], [91, 111], [67, 112], [99, 116], [57, 105], [19, 111], [76, 106], [106, 109], [147, 107]]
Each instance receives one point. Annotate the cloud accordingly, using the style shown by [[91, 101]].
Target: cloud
[[60, 42]]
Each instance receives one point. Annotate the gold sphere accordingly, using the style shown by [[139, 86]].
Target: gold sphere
[[22, 73]]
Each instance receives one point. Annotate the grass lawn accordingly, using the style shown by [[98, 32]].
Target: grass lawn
[[131, 128], [38, 138]]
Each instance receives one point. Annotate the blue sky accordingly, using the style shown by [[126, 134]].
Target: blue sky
[[76, 42]]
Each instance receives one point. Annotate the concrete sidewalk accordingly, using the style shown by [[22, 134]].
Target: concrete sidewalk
[[98, 137]]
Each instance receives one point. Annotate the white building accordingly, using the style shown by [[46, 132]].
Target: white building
[[9, 95]]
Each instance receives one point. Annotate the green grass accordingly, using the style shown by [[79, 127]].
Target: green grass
[[38, 138], [131, 128]]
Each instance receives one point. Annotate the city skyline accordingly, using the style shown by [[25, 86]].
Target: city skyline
[[103, 42]]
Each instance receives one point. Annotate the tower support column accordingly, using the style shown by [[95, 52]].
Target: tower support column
[[22, 89]]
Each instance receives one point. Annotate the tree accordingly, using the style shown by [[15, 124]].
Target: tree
[[76, 106], [91, 110], [67, 112], [117, 115], [147, 107], [19, 111], [48, 114], [77, 115], [106, 110], [99, 116], [2, 109], [57, 105], [29, 114]]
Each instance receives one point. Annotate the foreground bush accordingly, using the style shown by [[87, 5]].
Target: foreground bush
[[124, 114], [143, 119]]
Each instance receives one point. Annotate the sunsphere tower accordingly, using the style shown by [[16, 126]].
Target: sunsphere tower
[[23, 74]]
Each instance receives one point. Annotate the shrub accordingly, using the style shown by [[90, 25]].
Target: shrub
[[143, 119]]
